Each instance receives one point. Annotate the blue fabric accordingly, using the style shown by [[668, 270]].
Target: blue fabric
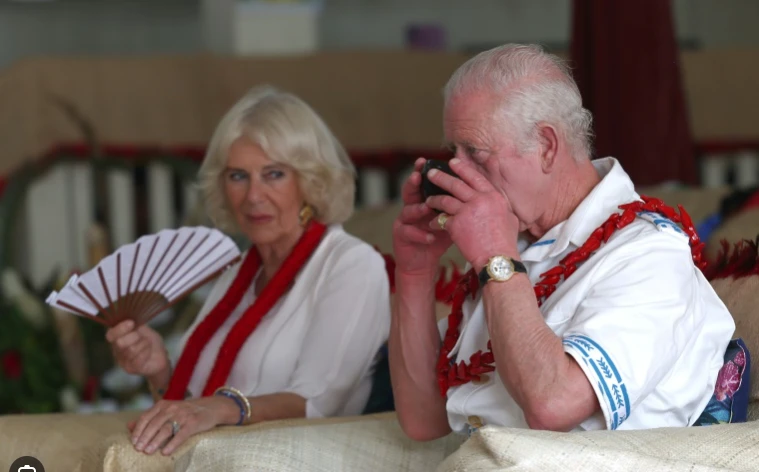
[[381, 397], [608, 377], [729, 403], [706, 227]]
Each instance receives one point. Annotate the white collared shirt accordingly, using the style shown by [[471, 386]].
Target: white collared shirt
[[638, 316], [320, 340]]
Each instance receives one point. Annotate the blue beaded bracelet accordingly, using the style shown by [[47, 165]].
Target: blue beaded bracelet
[[238, 401]]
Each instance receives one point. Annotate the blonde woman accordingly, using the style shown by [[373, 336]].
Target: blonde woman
[[293, 329]]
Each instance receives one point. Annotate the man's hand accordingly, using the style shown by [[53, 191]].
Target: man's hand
[[417, 244], [414, 340], [480, 219], [154, 427]]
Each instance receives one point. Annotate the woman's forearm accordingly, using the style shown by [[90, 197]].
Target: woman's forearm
[[275, 406], [159, 382]]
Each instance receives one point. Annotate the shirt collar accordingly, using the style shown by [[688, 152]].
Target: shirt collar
[[614, 189]]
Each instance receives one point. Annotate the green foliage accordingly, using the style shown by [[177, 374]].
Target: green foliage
[[97, 350], [37, 352]]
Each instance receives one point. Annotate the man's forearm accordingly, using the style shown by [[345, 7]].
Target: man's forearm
[[547, 384], [413, 349]]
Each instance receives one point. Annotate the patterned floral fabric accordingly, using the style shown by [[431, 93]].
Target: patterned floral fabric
[[729, 404]]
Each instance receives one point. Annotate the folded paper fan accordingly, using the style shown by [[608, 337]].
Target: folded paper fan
[[141, 279]]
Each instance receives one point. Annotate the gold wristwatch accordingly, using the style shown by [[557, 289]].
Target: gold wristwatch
[[500, 269]]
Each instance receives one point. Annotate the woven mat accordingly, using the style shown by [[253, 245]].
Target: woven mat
[[371, 446], [699, 449], [375, 443], [83, 443], [118, 454], [60, 441]]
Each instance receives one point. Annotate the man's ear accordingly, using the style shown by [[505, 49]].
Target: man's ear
[[549, 146]]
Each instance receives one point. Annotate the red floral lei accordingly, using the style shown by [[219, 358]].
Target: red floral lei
[[450, 374], [249, 321]]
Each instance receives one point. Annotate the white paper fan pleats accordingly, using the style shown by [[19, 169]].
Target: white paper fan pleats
[[141, 279]]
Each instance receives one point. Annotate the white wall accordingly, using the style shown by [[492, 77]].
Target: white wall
[[252, 27], [352, 24], [216, 33], [175, 26], [88, 27], [721, 23]]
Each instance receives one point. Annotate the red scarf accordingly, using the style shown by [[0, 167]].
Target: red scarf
[[450, 374], [243, 328]]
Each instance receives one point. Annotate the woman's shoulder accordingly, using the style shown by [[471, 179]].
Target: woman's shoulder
[[348, 267], [342, 248], [340, 240]]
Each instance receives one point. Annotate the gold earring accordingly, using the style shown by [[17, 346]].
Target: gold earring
[[306, 213]]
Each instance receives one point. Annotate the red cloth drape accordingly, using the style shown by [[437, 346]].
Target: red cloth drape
[[626, 62]]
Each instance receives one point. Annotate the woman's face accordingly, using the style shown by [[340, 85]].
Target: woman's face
[[263, 195]]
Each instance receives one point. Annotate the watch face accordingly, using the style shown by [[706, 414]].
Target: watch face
[[500, 268]]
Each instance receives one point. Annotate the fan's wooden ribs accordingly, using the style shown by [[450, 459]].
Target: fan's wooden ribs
[[151, 275]]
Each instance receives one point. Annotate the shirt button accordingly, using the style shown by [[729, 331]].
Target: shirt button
[[474, 421]]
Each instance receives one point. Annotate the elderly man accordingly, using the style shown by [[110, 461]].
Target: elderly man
[[585, 307]]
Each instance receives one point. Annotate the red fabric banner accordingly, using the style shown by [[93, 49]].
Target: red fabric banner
[[626, 62]]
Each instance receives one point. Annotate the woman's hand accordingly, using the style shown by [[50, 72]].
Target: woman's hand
[[480, 219], [154, 427], [417, 245], [138, 351]]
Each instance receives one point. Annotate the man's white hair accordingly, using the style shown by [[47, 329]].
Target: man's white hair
[[534, 87]]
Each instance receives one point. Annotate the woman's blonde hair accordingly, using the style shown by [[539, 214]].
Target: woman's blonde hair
[[290, 132]]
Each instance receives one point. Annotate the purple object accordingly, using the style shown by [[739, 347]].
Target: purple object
[[426, 36]]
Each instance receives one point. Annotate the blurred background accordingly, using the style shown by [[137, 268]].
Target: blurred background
[[106, 107]]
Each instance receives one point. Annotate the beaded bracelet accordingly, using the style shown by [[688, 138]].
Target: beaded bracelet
[[240, 399]]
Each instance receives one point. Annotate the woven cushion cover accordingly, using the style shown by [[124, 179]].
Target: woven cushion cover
[[733, 447]]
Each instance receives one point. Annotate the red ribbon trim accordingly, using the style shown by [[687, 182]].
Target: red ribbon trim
[[450, 374], [250, 320]]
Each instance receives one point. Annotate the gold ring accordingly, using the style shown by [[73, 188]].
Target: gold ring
[[441, 220]]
